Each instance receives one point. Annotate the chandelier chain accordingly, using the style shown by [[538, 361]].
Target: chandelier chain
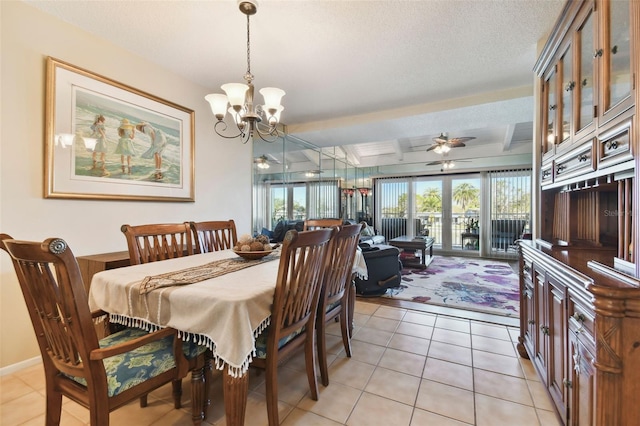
[[248, 76]]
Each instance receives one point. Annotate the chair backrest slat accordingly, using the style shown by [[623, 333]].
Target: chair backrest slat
[[299, 280], [154, 242], [214, 235], [337, 272]]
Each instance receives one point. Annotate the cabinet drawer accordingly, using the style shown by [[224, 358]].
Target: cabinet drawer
[[614, 145], [546, 173], [576, 162]]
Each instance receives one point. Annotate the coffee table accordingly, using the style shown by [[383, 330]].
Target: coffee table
[[409, 243]]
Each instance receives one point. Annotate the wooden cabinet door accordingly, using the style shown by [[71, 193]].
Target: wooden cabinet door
[[528, 307], [567, 86], [540, 342], [586, 72], [557, 327], [549, 114], [581, 384]]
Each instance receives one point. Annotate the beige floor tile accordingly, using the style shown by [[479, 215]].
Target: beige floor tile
[[292, 385], [299, 417], [452, 337], [334, 402], [514, 333], [393, 385], [372, 410], [11, 387], [390, 313], [66, 419], [420, 318], [22, 409], [445, 400], [403, 362], [175, 418], [490, 330], [76, 410], [541, 398], [33, 376], [453, 324], [489, 344], [497, 363], [422, 418], [408, 343], [334, 343], [154, 411], [365, 352], [548, 418], [502, 386], [360, 319], [529, 370], [498, 412], [256, 413], [452, 353], [379, 323], [416, 330], [371, 335], [365, 308], [350, 372], [449, 373]]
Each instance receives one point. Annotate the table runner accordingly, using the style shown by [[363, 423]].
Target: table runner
[[200, 273]]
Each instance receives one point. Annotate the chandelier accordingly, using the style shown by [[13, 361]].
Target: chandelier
[[249, 119]]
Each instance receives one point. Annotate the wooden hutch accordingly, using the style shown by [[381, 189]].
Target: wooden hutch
[[579, 277]]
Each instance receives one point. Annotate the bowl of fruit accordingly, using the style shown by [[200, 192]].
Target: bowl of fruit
[[252, 248]]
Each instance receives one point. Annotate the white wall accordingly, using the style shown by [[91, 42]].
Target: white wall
[[223, 167]]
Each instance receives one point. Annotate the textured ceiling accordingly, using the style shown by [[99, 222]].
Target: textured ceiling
[[391, 72]]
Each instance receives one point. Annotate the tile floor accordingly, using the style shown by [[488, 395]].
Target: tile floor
[[408, 368]]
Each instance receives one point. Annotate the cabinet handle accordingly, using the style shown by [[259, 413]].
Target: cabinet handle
[[560, 168], [544, 329], [614, 49], [567, 383], [526, 267], [584, 82], [611, 145], [531, 322], [552, 107], [598, 53], [546, 173], [570, 86], [582, 158], [578, 317]]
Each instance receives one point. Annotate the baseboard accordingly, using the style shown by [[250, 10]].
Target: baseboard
[[13, 368]]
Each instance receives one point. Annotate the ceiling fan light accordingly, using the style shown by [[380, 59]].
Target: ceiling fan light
[[218, 104], [236, 93], [263, 165], [438, 149], [272, 97], [445, 148]]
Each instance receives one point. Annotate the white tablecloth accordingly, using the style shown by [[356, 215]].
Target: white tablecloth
[[225, 313]]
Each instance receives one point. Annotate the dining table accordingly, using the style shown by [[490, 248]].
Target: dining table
[[216, 299]]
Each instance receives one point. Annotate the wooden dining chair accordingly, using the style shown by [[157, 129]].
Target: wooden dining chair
[[101, 375], [336, 291], [153, 242], [295, 304], [311, 224], [214, 235]]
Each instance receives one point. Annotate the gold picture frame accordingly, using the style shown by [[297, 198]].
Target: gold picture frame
[[109, 141]]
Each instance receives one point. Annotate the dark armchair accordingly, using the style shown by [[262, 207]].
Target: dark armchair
[[504, 232]]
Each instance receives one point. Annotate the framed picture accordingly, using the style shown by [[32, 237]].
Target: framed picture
[[106, 140]]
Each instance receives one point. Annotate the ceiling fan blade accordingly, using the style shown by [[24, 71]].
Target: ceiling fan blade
[[441, 139], [432, 147], [456, 144], [460, 140], [433, 163]]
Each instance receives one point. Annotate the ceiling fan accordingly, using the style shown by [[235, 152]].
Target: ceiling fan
[[262, 162], [443, 143], [446, 164]]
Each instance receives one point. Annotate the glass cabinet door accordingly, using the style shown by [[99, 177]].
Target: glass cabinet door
[[568, 85], [549, 113], [585, 72], [616, 58]]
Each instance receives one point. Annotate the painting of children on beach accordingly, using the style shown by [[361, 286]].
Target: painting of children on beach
[[116, 140]]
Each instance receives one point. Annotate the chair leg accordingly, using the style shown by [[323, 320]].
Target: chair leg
[[344, 328], [54, 407], [197, 395], [322, 350], [176, 385], [271, 383], [143, 401], [310, 361]]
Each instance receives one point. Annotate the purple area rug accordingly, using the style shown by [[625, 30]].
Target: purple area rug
[[474, 284]]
